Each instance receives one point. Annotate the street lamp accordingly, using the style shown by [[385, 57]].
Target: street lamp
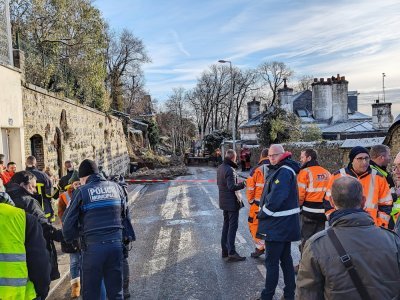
[[233, 106], [383, 86]]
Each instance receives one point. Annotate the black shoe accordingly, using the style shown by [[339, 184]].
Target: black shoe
[[236, 257], [224, 254], [257, 253]]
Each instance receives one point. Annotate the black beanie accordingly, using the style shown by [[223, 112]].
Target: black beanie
[[87, 167], [355, 151]]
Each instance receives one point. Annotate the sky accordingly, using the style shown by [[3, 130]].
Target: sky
[[356, 39]]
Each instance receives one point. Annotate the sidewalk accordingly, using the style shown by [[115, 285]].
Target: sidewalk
[[63, 258]]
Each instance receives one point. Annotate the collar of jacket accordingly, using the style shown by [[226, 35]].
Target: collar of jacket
[[16, 190], [95, 178], [350, 217], [31, 169], [311, 163], [380, 169], [286, 162], [263, 161], [350, 171], [230, 163]]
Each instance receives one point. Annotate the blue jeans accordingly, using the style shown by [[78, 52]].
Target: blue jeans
[[75, 264], [102, 261], [275, 252], [231, 221]]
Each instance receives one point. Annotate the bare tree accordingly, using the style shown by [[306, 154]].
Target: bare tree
[[125, 55], [304, 83], [273, 73]]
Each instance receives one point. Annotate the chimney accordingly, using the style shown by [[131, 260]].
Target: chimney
[[253, 108], [382, 115]]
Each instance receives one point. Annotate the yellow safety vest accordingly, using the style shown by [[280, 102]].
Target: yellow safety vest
[[14, 281]]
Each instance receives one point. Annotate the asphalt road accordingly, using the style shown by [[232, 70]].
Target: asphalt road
[[177, 254]]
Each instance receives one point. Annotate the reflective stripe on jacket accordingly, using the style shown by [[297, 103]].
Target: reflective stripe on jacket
[[312, 182], [14, 281], [255, 184], [375, 189]]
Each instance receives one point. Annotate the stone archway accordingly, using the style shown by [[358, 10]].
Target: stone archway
[[37, 150]]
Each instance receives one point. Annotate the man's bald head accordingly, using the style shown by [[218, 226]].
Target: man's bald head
[[231, 155], [275, 153], [347, 192]]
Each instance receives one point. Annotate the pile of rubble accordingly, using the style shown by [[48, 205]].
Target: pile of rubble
[[160, 173]]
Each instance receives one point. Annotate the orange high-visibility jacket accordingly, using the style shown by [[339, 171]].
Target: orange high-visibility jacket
[[312, 182], [375, 189], [255, 184]]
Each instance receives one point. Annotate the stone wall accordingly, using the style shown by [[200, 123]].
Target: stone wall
[[65, 129], [393, 139], [330, 155]]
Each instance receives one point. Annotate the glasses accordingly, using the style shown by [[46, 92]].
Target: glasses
[[274, 155], [360, 159], [395, 168]]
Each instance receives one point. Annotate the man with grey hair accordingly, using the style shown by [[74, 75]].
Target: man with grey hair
[[353, 259], [230, 203]]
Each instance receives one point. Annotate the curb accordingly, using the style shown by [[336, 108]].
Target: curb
[[132, 196]]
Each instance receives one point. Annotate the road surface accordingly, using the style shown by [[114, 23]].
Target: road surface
[[177, 254]]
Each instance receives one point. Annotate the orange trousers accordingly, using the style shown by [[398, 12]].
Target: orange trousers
[[253, 225]]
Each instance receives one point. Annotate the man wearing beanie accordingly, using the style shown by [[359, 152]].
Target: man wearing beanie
[[378, 200], [95, 215]]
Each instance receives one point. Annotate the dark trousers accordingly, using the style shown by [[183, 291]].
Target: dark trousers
[[275, 252], [309, 227], [231, 221], [102, 260]]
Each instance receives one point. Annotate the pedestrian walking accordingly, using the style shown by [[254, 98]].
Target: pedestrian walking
[[24, 262], [312, 182], [375, 188], [353, 259], [230, 202], [279, 223], [96, 212], [254, 189]]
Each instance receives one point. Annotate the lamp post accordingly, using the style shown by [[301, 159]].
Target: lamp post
[[233, 104], [383, 86]]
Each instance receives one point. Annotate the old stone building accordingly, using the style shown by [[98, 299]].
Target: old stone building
[[330, 107]]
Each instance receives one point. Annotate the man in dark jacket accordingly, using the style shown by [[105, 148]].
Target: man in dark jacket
[[279, 222], [230, 203], [21, 189], [95, 212], [44, 187], [69, 166], [373, 251]]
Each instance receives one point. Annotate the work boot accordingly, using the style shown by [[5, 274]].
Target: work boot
[[75, 288], [236, 257], [257, 253]]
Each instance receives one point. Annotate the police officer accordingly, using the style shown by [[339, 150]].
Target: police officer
[[95, 210]]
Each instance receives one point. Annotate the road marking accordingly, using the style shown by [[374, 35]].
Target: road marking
[[160, 254], [262, 270], [240, 238], [185, 244], [208, 196]]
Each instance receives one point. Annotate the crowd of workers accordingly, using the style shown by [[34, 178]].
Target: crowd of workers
[[95, 233], [356, 257]]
